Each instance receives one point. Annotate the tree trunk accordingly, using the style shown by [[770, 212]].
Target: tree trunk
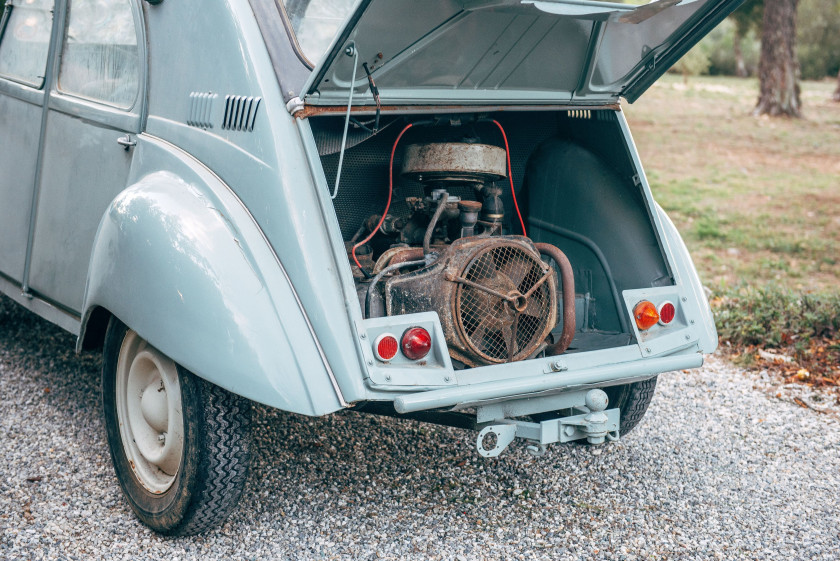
[[837, 91], [778, 70], [740, 66]]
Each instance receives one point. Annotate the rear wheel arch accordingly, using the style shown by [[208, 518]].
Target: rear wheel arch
[[178, 259], [93, 329]]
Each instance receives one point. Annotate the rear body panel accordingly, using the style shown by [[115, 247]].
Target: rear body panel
[[259, 296], [670, 275]]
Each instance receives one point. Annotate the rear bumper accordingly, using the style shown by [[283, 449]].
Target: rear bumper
[[623, 372]]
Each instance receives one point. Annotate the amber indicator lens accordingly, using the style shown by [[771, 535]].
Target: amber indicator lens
[[646, 315], [667, 312], [385, 346], [416, 343]]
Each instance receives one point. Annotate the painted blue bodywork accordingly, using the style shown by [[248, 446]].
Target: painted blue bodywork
[[219, 243], [219, 301]]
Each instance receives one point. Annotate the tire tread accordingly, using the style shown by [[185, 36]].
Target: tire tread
[[638, 398], [223, 470]]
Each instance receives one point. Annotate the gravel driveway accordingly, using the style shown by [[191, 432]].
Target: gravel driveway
[[718, 469]]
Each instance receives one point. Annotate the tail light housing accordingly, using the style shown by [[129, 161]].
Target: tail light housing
[[416, 343], [646, 315], [385, 347], [667, 312]]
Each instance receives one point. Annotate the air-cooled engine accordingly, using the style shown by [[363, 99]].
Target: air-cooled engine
[[496, 296]]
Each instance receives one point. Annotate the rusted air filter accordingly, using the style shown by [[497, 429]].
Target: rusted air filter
[[454, 161]]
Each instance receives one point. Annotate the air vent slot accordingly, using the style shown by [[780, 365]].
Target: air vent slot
[[580, 114], [201, 109], [240, 112]]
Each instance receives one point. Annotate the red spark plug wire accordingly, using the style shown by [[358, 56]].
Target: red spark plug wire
[[390, 192], [510, 176]]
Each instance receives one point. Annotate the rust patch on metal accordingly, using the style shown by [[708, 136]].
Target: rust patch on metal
[[454, 161], [314, 110], [568, 283], [495, 297]]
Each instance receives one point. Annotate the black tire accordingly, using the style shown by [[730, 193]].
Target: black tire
[[633, 401], [213, 460]]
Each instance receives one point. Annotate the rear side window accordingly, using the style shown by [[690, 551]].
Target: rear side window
[[316, 22], [100, 59], [26, 41]]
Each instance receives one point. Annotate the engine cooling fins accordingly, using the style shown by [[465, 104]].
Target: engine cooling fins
[[495, 296], [498, 312]]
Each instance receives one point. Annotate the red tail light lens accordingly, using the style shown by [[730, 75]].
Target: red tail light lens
[[416, 343], [646, 315], [667, 312], [385, 347]]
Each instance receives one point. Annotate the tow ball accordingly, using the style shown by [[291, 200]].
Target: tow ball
[[596, 424]]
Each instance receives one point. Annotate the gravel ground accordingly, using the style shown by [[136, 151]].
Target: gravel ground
[[720, 468]]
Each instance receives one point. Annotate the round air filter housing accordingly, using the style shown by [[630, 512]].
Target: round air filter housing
[[454, 161]]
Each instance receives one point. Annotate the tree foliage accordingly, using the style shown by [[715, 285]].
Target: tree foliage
[[818, 38], [693, 63], [748, 17], [719, 47]]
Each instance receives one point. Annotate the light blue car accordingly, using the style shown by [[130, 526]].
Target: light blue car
[[425, 209]]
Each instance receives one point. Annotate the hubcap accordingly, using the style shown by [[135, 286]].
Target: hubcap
[[149, 412]]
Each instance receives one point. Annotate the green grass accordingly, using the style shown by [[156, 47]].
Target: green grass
[[776, 317], [758, 203], [756, 199]]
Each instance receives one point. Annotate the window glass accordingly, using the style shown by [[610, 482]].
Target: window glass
[[316, 22], [100, 59], [26, 41], [631, 36]]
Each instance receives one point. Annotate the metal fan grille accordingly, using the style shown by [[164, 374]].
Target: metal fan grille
[[496, 328]]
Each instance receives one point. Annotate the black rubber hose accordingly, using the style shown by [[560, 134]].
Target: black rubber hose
[[427, 239], [381, 274]]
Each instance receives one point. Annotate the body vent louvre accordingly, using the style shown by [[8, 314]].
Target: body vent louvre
[[201, 109], [579, 114], [240, 112]]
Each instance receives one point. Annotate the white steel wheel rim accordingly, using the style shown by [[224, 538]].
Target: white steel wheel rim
[[148, 399]]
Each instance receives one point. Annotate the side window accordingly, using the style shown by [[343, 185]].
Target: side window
[[26, 41], [100, 59]]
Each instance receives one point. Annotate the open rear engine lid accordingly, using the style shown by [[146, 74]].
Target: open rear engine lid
[[508, 51]]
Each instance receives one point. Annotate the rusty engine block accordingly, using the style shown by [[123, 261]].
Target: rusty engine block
[[497, 299]]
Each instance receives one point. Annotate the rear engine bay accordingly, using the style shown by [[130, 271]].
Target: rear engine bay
[[520, 229]]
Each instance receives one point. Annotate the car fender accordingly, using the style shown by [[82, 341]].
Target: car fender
[[180, 260], [686, 276]]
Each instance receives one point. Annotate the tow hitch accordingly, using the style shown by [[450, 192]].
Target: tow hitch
[[596, 426]]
